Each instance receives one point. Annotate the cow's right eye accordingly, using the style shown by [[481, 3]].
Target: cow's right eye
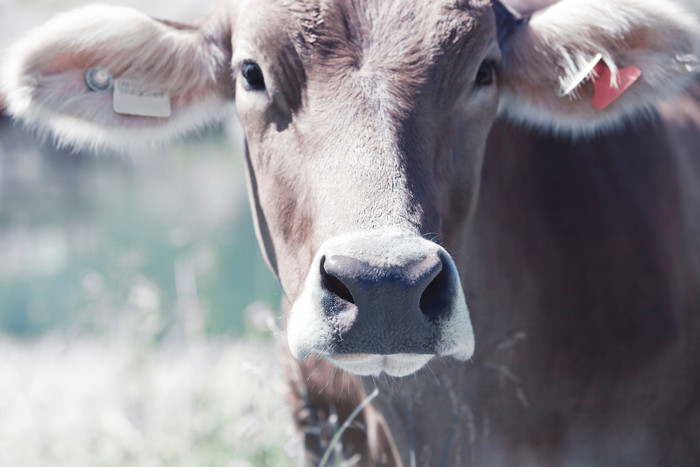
[[253, 76]]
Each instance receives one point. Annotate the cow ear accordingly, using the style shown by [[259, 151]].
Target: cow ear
[[580, 66], [109, 77]]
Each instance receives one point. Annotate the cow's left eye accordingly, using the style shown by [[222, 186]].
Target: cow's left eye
[[485, 75], [253, 76]]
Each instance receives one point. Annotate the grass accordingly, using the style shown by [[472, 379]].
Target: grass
[[122, 401]]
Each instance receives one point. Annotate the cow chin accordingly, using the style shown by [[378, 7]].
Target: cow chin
[[374, 365], [381, 302]]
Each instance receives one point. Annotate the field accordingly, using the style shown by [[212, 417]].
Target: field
[[137, 316], [122, 401]]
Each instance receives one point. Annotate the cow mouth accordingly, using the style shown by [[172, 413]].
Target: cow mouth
[[373, 365]]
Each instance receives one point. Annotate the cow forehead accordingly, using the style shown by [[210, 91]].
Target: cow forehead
[[319, 48], [395, 24], [353, 32]]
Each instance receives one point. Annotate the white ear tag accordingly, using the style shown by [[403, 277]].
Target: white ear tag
[[567, 87], [132, 98]]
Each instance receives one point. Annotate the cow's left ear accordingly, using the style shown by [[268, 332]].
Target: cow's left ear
[[110, 77], [579, 66]]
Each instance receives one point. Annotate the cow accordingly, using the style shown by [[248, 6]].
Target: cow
[[491, 216]]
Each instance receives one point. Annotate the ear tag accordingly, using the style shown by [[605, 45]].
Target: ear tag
[[99, 79], [132, 97], [606, 92], [689, 62], [569, 87]]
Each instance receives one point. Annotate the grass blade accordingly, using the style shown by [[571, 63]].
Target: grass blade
[[346, 424]]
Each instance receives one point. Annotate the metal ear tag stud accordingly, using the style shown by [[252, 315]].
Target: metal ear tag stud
[[99, 79]]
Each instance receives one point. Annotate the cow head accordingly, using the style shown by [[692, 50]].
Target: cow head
[[366, 123]]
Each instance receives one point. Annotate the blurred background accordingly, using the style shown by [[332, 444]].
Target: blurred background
[[137, 317]]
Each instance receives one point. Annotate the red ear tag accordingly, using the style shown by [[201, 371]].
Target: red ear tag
[[605, 93]]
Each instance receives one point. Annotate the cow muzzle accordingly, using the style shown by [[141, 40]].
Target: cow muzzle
[[381, 302]]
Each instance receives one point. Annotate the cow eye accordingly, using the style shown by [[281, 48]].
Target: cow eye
[[253, 76], [485, 75]]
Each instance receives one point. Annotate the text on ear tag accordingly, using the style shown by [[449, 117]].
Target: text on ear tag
[[605, 90], [133, 98]]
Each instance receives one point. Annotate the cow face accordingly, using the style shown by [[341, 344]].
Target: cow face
[[365, 145], [366, 123]]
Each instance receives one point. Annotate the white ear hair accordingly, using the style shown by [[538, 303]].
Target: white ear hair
[[43, 76], [659, 37]]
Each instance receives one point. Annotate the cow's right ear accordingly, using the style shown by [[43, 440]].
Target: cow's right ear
[[110, 77]]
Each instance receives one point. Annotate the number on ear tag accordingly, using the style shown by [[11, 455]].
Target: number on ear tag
[[133, 98]]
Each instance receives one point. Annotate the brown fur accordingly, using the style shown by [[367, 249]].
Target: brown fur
[[578, 270], [580, 261]]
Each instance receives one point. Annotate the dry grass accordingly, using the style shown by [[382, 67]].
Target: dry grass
[[121, 402]]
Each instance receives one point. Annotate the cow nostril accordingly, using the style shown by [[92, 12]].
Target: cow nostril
[[334, 285], [433, 303]]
